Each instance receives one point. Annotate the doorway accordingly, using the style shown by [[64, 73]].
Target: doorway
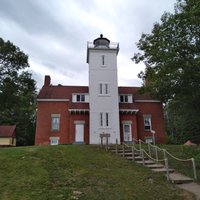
[[79, 133], [127, 132]]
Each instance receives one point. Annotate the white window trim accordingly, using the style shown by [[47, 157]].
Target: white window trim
[[52, 124], [150, 123], [86, 98], [104, 120], [129, 98], [104, 89], [53, 139]]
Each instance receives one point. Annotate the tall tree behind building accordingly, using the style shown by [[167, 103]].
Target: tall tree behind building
[[171, 54], [17, 92]]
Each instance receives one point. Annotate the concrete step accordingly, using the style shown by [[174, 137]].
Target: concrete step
[[128, 154], [137, 158], [155, 166], [178, 178], [146, 162], [120, 150], [163, 170]]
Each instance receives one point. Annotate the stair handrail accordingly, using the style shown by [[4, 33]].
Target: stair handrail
[[156, 160], [186, 160], [165, 152], [176, 158]]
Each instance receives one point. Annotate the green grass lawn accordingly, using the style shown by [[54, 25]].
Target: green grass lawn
[[78, 172]]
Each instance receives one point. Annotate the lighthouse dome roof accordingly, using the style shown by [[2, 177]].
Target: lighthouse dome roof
[[101, 42]]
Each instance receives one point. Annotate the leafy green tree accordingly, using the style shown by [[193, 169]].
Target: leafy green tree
[[171, 54], [17, 92]]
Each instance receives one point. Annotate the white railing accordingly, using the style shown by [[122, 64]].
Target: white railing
[[112, 45]]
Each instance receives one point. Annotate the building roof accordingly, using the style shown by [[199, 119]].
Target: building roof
[[134, 92], [60, 92], [7, 130], [65, 92]]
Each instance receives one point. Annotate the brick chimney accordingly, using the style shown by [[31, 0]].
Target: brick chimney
[[47, 80]]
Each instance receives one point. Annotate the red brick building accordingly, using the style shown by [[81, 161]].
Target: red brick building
[[80, 114]]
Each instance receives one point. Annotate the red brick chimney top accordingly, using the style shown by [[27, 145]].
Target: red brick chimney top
[[47, 80]]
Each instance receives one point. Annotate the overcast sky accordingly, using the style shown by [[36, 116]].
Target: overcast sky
[[54, 34]]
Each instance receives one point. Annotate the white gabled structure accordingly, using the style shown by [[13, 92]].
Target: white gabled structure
[[103, 90]]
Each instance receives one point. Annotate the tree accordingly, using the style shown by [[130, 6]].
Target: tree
[[171, 54], [17, 92]]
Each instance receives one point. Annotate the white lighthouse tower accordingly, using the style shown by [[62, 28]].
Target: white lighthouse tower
[[103, 90]]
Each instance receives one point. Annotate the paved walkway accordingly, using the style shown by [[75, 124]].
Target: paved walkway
[[191, 187]]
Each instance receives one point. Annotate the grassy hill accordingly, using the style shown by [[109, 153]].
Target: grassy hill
[[78, 172]]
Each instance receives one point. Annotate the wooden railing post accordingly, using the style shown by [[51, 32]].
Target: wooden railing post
[[116, 146], [140, 146], [142, 156], [164, 153], [133, 153], [194, 169], [123, 150], [167, 168], [156, 152], [149, 148]]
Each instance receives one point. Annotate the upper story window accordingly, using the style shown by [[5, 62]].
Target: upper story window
[[104, 119], [104, 89], [80, 98], [55, 122], [147, 122], [103, 59], [125, 98]]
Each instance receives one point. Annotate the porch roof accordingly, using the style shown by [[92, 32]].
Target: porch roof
[[128, 111], [79, 111]]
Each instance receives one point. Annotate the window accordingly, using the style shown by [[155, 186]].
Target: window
[[147, 122], [55, 122], [148, 140], [80, 98], [103, 59], [104, 119], [127, 128], [101, 119], [107, 119], [104, 88], [126, 98], [100, 88], [123, 98], [54, 140]]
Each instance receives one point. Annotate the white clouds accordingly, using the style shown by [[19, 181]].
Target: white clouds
[[54, 33]]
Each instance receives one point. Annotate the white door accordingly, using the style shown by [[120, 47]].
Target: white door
[[127, 132], [79, 133]]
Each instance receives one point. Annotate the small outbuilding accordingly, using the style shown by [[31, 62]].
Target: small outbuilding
[[7, 135]]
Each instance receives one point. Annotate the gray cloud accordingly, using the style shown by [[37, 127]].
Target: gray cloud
[[55, 33]]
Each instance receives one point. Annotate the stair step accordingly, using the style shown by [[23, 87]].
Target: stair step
[[163, 170], [120, 150], [128, 154], [137, 158], [179, 178], [149, 162], [155, 166]]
